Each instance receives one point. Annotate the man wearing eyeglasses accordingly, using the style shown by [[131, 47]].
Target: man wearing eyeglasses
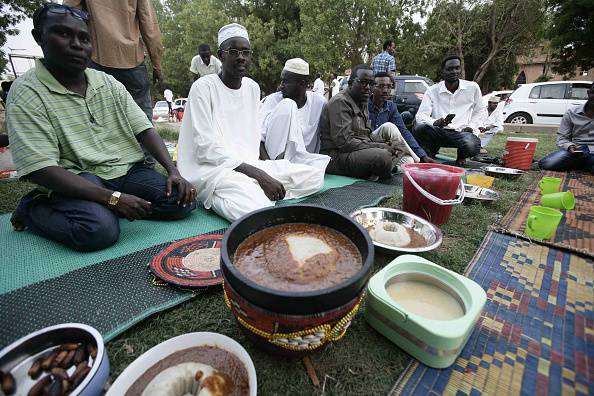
[[219, 141], [75, 132], [346, 135], [290, 119]]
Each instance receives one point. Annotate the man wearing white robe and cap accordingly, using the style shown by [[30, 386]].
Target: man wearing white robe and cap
[[290, 119], [219, 142]]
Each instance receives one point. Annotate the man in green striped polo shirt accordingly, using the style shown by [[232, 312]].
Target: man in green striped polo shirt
[[75, 132]]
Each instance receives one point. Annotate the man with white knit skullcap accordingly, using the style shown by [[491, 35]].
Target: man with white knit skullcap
[[290, 118], [219, 142]]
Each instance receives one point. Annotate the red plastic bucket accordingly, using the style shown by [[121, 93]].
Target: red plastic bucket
[[519, 152], [430, 190]]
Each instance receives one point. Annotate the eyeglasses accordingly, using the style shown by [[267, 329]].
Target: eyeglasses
[[365, 83], [235, 52], [60, 9], [384, 86]]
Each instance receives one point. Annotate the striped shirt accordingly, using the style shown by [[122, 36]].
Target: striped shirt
[[383, 62], [49, 125]]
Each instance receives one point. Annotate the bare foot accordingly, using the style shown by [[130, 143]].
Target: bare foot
[[17, 223]]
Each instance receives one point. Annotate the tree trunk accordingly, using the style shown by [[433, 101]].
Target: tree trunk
[[482, 70]]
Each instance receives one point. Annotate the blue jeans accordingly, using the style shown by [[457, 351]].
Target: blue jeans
[[86, 225], [563, 160], [432, 138]]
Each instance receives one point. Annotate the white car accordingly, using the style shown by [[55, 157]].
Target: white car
[[544, 102], [161, 111]]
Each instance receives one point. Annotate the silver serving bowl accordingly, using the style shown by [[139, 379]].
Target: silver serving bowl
[[499, 171], [18, 357], [479, 194], [369, 217]]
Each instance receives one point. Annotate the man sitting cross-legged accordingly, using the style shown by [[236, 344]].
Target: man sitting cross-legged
[[75, 132], [347, 137], [219, 142], [462, 101], [290, 119]]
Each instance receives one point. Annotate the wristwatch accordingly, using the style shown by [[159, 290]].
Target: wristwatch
[[114, 199]]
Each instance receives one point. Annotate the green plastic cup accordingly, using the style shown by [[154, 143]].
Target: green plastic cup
[[542, 222], [549, 185], [558, 200]]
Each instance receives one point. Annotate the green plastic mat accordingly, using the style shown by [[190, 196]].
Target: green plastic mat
[[31, 258]]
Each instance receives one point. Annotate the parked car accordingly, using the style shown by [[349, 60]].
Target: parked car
[[161, 111], [503, 95], [179, 103], [545, 102], [409, 92]]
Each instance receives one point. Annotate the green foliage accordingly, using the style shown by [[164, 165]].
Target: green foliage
[[11, 13], [542, 78], [572, 34]]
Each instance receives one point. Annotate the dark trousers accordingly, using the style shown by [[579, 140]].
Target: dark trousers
[[361, 163], [563, 160], [432, 138], [137, 83], [87, 225]]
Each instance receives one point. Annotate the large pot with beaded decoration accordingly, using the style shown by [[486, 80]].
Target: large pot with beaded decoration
[[295, 275]]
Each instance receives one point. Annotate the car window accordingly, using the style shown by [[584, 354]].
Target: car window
[[535, 93], [414, 87], [552, 91], [579, 91], [161, 104]]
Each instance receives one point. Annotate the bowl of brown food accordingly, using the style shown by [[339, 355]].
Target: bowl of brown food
[[295, 275], [68, 358], [398, 231], [201, 363]]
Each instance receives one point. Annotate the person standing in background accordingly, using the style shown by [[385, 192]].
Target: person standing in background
[[204, 63], [319, 87], [120, 31], [385, 61], [168, 95]]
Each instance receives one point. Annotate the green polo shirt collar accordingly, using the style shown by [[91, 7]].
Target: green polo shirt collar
[[47, 79]]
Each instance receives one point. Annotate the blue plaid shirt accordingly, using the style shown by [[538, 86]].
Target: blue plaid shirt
[[389, 113], [383, 62]]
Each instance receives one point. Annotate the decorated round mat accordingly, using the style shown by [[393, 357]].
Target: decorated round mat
[[190, 262]]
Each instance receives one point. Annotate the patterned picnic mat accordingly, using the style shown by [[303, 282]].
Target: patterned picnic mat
[[536, 333], [43, 283], [576, 229]]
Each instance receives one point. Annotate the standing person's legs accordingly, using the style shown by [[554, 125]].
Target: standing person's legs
[[136, 81], [146, 183], [79, 224]]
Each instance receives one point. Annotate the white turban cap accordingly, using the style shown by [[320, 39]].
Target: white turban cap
[[297, 66], [230, 31]]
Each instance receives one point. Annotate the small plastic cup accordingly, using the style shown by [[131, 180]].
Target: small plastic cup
[[542, 222], [560, 200], [549, 185]]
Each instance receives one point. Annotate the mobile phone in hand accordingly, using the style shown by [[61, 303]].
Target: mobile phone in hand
[[449, 118]]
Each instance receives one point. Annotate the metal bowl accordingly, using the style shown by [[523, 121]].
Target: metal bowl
[[369, 217], [475, 194], [18, 357], [499, 171]]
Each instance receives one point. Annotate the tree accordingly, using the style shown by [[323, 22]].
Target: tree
[[12, 12], [572, 34]]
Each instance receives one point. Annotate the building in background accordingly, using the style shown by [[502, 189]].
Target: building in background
[[539, 65]]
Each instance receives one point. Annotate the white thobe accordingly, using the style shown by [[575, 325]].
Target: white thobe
[[495, 119], [220, 131], [319, 87], [466, 103], [292, 133]]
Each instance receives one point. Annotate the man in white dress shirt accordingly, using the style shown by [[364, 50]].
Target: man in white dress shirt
[[318, 86], [204, 63], [290, 118], [493, 123], [456, 97], [219, 142]]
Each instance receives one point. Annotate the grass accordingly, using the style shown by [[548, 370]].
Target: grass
[[363, 362]]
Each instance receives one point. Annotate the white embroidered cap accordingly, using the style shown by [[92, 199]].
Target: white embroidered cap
[[232, 30], [297, 66]]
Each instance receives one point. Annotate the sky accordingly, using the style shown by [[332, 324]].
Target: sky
[[22, 43]]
